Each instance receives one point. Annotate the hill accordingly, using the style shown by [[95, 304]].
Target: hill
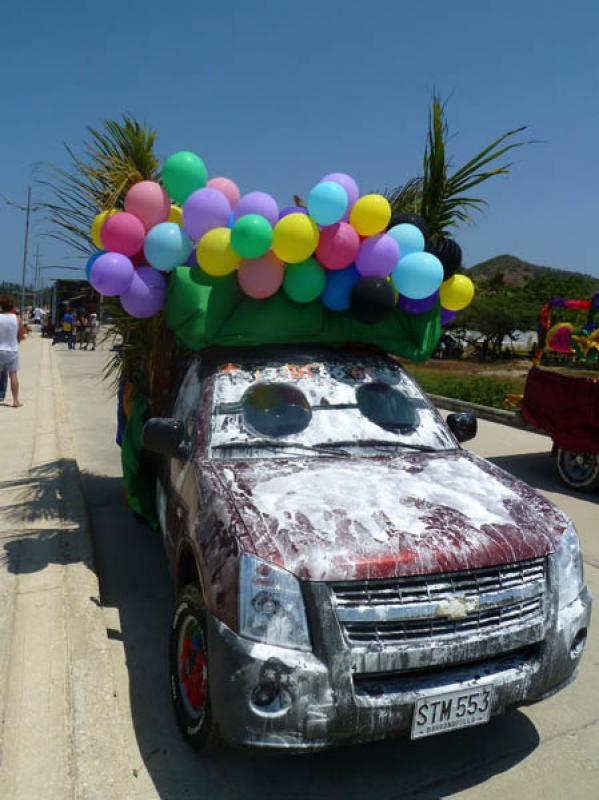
[[517, 272]]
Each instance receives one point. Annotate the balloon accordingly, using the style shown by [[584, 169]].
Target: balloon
[[182, 174], [327, 202], [295, 238], [370, 214], [447, 316], [258, 203], [418, 306], [449, 254], [456, 292], [138, 259], [123, 233], [175, 215], [98, 224], [292, 210], [350, 186], [231, 220], [338, 246], [192, 260], [261, 277], [148, 201], [304, 281], [215, 253], [146, 295], [418, 275], [203, 210], [251, 236], [378, 256], [408, 218], [227, 187], [337, 291], [111, 274], [372, 300], [408, 237], [90, 262], [167, 246]]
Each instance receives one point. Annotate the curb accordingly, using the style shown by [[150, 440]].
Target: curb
[[499, 415], [99, 769]]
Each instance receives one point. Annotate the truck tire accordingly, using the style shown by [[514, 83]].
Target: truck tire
[[189, 669], [579, 471]]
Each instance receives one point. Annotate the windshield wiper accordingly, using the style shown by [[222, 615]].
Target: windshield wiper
[[423, 448], [262, 444]]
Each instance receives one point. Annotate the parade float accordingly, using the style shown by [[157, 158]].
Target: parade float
[[226, 269], [562, 392]]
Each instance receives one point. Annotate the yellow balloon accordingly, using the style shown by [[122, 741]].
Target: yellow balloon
[[370, 214], [176, 215], [215, 253], [295, 238], [97, 224], [456, 292]]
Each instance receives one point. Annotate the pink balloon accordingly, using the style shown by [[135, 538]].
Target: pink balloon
[[125, 234], [378, 256], [148, 201], [338, 246], [228, 188], [261, 277], [146, 295], [205, 209]]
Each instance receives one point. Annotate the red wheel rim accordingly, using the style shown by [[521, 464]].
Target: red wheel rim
[[193, 668]]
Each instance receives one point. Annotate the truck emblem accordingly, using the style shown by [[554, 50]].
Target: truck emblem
[[457, 607]]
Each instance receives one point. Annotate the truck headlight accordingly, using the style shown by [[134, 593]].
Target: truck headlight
[[271, 606], [569, 567]]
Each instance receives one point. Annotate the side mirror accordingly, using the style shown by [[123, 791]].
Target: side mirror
[[463, 426], [164, 435]]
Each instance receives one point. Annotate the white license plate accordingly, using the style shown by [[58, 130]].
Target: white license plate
[[452, 710]]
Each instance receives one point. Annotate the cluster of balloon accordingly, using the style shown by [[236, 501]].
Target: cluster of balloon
[[342, 248]]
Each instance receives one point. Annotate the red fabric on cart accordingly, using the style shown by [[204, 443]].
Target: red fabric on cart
[[567, 408]]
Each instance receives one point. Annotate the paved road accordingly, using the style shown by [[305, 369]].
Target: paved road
[[548, 751]]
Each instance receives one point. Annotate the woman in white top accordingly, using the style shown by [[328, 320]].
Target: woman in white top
[[11, 333]]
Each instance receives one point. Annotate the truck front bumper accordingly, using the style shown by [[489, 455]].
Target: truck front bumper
[[272, 697]]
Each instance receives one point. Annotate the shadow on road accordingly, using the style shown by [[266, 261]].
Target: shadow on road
[[539, 470], [135, 581]]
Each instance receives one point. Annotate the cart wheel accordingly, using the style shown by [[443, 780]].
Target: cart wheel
[[579, 471]]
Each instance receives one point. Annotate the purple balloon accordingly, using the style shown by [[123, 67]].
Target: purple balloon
[[258, 203], [111, 274], [292, 210], [203, 210], [192, 261], [350, 186], [447, 315], [418, 306], [146, 295], [378, 256]]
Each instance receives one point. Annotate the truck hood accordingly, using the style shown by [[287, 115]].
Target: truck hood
[[415, 514]]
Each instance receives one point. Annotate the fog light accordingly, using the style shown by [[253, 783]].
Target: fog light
[[579, 643], [270, 699]]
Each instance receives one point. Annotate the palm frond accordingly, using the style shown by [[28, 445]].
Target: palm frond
[[405, 198]]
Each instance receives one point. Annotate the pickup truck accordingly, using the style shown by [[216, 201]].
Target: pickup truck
[[345, 571]]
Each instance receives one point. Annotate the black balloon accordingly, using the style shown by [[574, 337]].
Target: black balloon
[[372, 300], [449, 254], [411, 219]]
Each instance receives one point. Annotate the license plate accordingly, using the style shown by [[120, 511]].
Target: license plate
[[450, 711]]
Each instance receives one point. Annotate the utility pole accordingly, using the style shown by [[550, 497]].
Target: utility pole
[[25, 245], [36, 282]]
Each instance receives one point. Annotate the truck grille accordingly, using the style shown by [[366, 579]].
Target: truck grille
[[418, 609]]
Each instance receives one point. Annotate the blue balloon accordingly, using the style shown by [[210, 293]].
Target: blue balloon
[[418, 275], [90, 262], [408, 237], [327, 202], [167, 246], [337, 291]]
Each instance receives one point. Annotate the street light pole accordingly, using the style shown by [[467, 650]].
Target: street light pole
[[25, 245]]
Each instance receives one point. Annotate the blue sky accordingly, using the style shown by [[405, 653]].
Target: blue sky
[[275, 94]]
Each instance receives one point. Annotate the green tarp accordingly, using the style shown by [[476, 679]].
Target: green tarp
[[204, 311]]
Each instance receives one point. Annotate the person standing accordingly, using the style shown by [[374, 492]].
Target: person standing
[[81, 328], [68, 325], [93, 326], [11, 333]]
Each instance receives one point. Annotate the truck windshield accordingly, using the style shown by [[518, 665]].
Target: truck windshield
[[318, 406]]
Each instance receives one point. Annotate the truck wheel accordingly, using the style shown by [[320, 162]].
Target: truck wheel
[[579, 471], [189, 662]]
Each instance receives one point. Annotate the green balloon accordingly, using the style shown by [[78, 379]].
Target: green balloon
[[182, 174], [251, 236], [304, 282]]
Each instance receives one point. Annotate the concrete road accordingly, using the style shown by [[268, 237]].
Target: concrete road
[[548, 751]]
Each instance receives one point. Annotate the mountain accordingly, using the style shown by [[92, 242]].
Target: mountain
[[518, 272]]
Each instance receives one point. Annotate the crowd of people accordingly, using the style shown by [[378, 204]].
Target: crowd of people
[[77, 328]]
